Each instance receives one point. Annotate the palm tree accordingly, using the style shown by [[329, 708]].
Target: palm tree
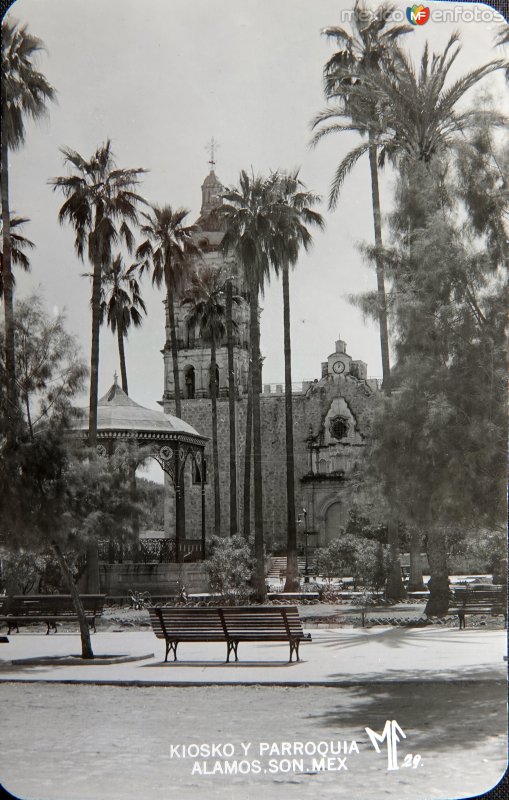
[[247, 218], [421, 114], [168, 251], [101, 205], [370, 49], [502, 39], [122, 306], [293, 213], [206, 300], [19, 244], [24, 94]]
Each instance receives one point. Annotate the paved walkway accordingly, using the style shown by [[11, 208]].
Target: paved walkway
[[120, 731], [336, 656]]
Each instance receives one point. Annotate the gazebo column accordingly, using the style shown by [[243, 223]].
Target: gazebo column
[[178, 517], [169, 506]]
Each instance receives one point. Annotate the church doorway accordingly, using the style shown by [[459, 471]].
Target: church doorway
[[335, 520]]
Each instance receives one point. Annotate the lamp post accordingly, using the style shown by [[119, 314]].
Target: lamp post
[[306, 568]]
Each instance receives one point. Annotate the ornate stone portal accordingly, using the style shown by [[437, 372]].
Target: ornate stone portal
[[129, 434]]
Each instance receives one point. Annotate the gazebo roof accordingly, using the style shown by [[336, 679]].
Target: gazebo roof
[[117, 413]]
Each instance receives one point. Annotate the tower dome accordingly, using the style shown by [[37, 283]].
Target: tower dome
[[211, 191]]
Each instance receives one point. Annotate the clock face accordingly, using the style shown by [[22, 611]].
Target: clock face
[[338, 367]]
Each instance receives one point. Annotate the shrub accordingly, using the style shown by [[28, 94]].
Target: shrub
[[230, 567], [23, 573], [373, 563], [365, 560]]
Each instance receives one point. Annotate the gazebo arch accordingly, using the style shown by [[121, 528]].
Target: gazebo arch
[[131, 433]]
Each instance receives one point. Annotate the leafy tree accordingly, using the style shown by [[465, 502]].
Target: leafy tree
[[440, 442], [49, 367], [24, 95], [151, 500], [19, 244], [293, 215], [102, 206], [54, 494], [122, 305]]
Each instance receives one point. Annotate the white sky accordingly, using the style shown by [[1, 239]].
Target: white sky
[[160, 77]]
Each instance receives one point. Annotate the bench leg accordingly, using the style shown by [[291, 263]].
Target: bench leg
[[294, 648], [12, 625], [171, 647], [231, 647], [461, 618]]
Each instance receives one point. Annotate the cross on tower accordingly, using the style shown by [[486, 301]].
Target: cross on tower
[[212, 148]]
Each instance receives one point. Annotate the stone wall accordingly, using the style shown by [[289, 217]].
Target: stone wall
[[158, 579], [310, 414]]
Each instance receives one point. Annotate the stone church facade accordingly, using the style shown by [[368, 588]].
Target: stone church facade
[[332, 419]]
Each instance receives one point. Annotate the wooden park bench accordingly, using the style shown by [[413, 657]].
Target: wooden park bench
[[229, 624], [27, 609], [478, 599]]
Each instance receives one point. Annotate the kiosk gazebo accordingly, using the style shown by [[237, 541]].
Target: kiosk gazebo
[[130, 434]]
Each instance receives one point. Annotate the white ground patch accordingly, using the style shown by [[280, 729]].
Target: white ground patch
[[87, 742]]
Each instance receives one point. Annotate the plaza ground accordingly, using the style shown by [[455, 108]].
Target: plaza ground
[[89, 732]]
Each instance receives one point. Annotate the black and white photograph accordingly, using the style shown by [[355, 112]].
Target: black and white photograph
[[253, 383]]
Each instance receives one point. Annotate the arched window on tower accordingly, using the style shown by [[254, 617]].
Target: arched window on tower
[[189, 378]]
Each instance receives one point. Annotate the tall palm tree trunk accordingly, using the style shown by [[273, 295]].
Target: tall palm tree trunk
[[292, 580], [10, 366], [247, 456], [92, 551], [121, 357], [380, 278], [394, 588], [94, 354], [260, 587], [415, 581], [180, 504], [174, 352], [215, 453], [231, 411]]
